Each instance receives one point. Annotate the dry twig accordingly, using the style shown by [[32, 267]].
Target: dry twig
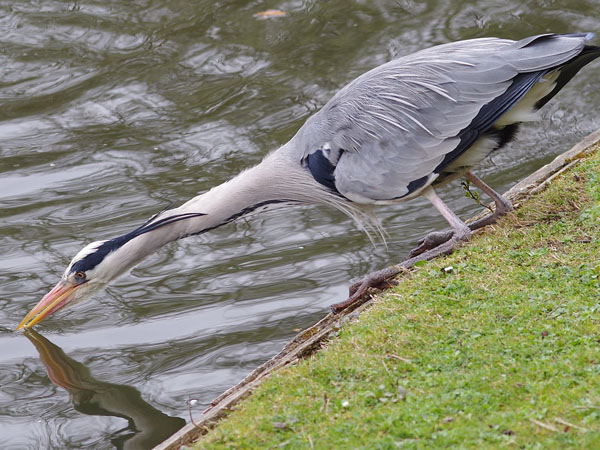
[[406, 360], [572, 425], [547, 426]]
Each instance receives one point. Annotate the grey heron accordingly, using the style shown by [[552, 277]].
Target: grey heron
[[394, 133]]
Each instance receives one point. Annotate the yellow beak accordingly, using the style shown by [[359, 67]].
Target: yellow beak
[[54, 300]]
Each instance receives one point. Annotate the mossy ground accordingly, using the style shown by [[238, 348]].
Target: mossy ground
[[496, 345]]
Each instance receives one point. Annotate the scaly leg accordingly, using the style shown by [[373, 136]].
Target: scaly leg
[[441, 243], [503, 206], [461, 233]]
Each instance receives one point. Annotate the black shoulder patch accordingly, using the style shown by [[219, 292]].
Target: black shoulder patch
[[321, 169]]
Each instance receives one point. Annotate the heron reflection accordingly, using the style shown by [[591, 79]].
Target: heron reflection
[[146, 425]]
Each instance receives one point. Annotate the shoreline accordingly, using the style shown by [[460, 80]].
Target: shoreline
[[309, 342]]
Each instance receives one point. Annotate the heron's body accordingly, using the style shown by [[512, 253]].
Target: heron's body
[[388, 136], [417, 119]]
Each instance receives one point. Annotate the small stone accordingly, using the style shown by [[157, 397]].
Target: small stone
[[402, 392]]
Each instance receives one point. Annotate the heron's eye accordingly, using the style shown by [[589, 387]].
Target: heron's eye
[[80, 276]]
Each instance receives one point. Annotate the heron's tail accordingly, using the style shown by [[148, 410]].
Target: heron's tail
[[570, 69]]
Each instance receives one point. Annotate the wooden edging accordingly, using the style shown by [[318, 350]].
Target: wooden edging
[[310, 340]]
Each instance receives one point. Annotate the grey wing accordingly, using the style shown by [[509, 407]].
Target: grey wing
[[384, 135]]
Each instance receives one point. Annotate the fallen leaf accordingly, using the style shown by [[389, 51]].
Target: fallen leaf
[[269, 13]]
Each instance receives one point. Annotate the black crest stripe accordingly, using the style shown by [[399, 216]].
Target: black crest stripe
[[93, 259]]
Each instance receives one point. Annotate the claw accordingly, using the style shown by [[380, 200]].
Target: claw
[[431, 241]]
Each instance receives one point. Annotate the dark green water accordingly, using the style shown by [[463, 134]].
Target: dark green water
[[112, 110]]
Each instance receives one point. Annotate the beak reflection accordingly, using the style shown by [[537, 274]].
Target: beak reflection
[[146, 425]]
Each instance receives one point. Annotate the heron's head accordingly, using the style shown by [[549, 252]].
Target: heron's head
[[91, 269], [100, 262]]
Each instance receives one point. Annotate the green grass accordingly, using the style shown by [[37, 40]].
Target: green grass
[[482, 354]]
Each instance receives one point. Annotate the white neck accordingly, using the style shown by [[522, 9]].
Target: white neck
[[280, 177], [276, 179], [273, 181]]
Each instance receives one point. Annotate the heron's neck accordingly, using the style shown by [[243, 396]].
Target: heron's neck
[[273, 181], [278, 178]]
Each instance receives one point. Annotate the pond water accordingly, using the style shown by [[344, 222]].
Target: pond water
[[113, 110]]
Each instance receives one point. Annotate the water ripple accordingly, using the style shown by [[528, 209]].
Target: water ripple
[[112, 111]]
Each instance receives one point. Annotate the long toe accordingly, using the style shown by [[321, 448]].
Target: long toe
[[501, 210], [431, 241]]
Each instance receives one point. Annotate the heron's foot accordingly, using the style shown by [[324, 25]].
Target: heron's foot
[[379, 279], [431, 241], [385, 277], [502, 209]]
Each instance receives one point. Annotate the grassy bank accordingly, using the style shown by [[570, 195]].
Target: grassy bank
[[496, 345]]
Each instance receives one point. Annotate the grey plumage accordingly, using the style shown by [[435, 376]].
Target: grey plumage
[[389, 135], [397, 122]]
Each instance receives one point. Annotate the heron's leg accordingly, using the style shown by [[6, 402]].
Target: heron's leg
[[503, 206], [382, 277], [460, 231], [429, 249]]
